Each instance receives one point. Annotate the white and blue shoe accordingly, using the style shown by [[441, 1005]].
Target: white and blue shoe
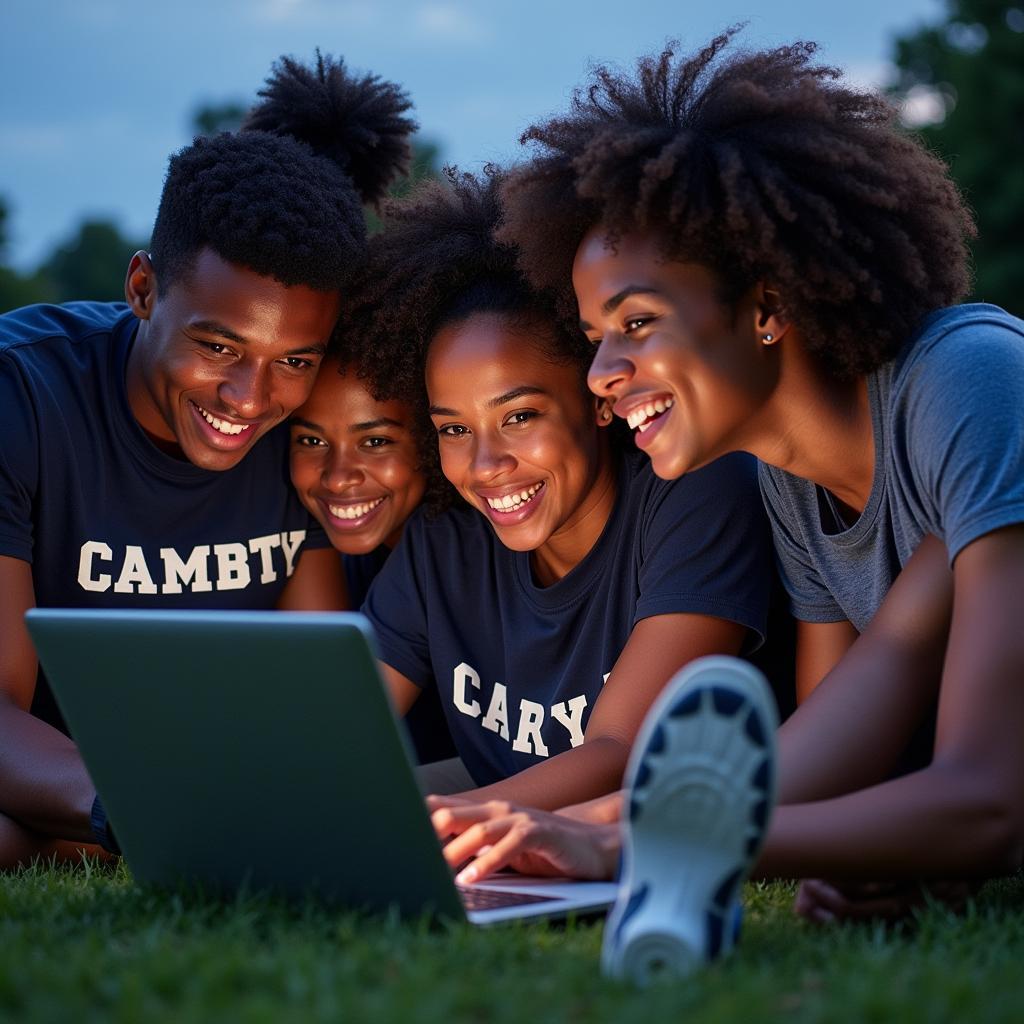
[[700, 790]]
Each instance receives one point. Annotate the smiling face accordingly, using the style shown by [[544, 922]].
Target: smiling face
[[222, 357], [354, 462], [518, 434], [686, 371]]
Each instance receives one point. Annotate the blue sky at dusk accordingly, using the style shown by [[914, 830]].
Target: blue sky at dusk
[[94, 95]]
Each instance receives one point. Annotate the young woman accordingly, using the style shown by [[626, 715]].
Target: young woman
[[358, 464], [550, 605], [760, 250]]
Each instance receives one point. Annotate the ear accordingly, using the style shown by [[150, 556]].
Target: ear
[[603, 411], [140, 285], [772, 319]]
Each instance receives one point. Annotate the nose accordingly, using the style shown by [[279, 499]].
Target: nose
[[611, 369], [491, 458], [341, 472], [245, 391]]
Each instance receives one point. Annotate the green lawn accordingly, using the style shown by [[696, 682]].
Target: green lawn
[[89, 946]]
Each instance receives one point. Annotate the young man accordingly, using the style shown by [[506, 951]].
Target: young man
[[140, 463]]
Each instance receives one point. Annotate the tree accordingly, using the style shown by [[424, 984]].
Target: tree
[[425, 164], [211, 118], [962, 85], [17, 289], [91, 264]]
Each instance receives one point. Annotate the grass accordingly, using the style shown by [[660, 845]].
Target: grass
[[91, 946]]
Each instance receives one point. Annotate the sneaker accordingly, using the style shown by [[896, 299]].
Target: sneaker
[[701, 785]]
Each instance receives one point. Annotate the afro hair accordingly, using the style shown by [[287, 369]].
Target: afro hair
[[763, 166], [436, 263]]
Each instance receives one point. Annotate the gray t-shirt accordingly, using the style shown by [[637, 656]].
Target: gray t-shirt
[[948, 418]]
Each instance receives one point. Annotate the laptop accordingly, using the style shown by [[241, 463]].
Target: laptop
[[259, 750]]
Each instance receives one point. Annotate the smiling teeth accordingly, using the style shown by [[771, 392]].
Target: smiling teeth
[[513, 502], [639, 419], [222, 425], [353, 511]]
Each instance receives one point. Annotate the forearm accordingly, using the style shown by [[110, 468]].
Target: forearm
[[43, 782], [605, 810], [593, 769], [850, 732], [941, 822], [19, 847]]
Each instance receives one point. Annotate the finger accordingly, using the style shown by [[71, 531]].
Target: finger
[[808, 903], [804, 903], [833, 904], [450, 821], [495, 857], [436, 802], [469, 842]]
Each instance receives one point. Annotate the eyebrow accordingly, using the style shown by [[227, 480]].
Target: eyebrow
[[356, 428], [619, 298], [380, 421], [523, 391], [218, 329]]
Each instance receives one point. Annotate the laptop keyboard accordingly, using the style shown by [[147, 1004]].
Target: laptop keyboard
[[491, 899]]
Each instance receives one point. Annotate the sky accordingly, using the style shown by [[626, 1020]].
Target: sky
[[95, 94]]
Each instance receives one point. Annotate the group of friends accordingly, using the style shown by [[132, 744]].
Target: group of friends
[[567, 423]]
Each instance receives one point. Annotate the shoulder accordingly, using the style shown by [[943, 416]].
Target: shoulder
[[962, 342], [457, 531], [447, 553], [777, 485], [731, 478], [76, 321]]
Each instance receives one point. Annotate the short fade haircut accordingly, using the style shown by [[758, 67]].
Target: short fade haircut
[[284, 195], [763, 166]]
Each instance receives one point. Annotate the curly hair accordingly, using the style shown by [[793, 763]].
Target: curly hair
[[437, 263], [763, 166], [284, 195]]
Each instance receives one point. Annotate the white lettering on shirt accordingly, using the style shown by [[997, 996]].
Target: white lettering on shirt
[[232, 566], [496, 718], [265, 545], [91, 550], [290, 543], [532, 716], [192, 573], [134, 578], [464, 674], [229, 566], [570, 714]]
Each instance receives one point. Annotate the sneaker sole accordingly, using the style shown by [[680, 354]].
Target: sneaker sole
[[701, 780]]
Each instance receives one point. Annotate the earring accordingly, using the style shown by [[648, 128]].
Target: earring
[[767, 338], [606, 415]]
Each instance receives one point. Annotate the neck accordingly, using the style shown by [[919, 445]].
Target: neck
[[819, 428], [572, 542]]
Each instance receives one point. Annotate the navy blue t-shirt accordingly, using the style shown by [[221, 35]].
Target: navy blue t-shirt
[[107, 519], [425, 721], [520, 666], [361, 571]]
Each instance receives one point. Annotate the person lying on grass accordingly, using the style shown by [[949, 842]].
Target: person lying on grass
[[358, 463], [550, 604], [766, 263], [139, 463]]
